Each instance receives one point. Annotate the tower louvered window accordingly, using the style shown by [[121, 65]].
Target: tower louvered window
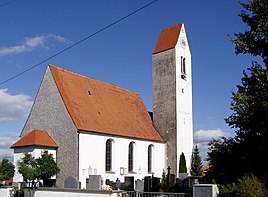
[[183, 67]]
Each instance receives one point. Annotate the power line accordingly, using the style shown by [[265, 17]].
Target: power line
[[80, 41]]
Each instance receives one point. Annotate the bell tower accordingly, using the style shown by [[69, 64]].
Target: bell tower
[[172, 94]]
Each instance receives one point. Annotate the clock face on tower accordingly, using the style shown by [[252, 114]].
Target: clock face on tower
[[183, 42]]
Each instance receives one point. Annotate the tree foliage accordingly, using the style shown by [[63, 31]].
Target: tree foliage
[[46, 166], [27, 167], [164, 182], [222, 160], [6, 170], [40, 168], [250, 105], [231, 158], [255, 40], [196, 163], [248, 185], [182, 165]]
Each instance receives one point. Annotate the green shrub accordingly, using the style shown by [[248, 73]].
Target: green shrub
[[248, 186]]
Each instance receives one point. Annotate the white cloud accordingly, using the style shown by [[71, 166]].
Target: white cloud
[[57, 38], [207, 135], [6, 154], [31, 43], [34, 42], [13, 107], [6, 140], [202, 138]]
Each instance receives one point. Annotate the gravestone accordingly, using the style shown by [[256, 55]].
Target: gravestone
[[129, 183], [171, 180], [49, 183], [119, 185], [70, 182], [93, 182], [139, 186], [155, 184], [147, 183]]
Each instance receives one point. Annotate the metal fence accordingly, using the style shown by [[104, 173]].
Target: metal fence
[[151, 194], [56, 192]]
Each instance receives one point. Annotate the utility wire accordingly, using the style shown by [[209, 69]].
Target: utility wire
[[80, 41]]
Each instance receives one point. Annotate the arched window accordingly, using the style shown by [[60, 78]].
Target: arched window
[[150, 158], [130, 156], [108, 156]]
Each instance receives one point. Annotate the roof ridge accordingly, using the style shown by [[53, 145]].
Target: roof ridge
[[80, 75]]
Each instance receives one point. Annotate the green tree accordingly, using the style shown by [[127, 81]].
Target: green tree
[[255, 40], [248, 185], [244, 153], [35, 169], [27, 167], [6, 170], [164, 182], [224, 167], [46, 166], [196, 163], [182, 165], [231, 158]]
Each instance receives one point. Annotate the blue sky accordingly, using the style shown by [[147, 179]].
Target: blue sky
[[33, 30]]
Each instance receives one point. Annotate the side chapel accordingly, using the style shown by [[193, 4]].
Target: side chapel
[[95, 128]]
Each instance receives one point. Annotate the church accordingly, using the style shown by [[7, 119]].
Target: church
[[95, 128]]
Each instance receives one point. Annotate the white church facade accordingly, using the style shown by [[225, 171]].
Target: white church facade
[[95, 128]]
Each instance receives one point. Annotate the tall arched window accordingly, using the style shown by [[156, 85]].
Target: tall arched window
[[130, 156], [108, 156], [150, 158]]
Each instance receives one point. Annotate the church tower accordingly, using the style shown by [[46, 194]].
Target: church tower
[[172, 94]]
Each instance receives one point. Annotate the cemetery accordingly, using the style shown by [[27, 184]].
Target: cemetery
[[169, 185]]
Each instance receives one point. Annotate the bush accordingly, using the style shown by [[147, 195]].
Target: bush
[[248, 186]]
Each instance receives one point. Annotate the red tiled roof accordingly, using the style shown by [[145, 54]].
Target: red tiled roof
[[7, 182], [168, 38], [96, 106], [35, 138]]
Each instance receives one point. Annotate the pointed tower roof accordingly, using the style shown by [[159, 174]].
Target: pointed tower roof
[[168, 38], [99, 107], [35, 138]]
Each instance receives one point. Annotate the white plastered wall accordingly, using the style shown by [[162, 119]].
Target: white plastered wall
[[184, 101], [34, 151], [92, 157]]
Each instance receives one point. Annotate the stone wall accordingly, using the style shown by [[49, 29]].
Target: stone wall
[[50, 114]]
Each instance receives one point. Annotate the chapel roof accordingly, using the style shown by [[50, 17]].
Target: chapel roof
[[99, 107], [168, 38], [35, 138]]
